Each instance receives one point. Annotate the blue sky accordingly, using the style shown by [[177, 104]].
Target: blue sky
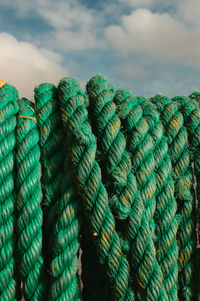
[[146, 46]]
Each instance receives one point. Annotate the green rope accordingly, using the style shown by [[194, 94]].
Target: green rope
[[90, 187], [8, 111], [30, 216], [177, 139], [99, 194], [193, 123], [106, 127], [165, 214], [149, 275], [191, 112], [65, 264], [49, 125], [140, 147]]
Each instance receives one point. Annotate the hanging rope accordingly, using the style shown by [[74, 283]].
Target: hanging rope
[[99, 194], [29, 197], [8, 238]]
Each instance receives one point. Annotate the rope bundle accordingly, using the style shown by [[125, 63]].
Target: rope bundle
[[99, 194]]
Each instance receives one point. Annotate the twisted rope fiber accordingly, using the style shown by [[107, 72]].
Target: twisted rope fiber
[[65, 264], [140, 147], [30, 216], [103, 182], [177, 138], [106, 125], [8, 110], [189, 107], [165, 215], [94, 288], [90, 187], [61, 205], [52, 158], [51, 144], [194, 127], [192, 107]]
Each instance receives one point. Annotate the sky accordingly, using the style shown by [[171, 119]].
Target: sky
[[145, 46]]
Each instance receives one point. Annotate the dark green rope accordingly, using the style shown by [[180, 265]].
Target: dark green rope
[[177, 139], [51, 144], [91, 189], [165, 214], [191, 112]]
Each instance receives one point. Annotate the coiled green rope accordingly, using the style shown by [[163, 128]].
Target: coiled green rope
[[99, 194]]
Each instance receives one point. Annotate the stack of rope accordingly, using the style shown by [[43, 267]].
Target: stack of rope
[[99, 194]]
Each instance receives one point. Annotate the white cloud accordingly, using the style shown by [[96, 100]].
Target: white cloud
[[154, 40], [24, 65], [189, 11], [66, 14], [76, 27], [69, 40], [158, 35], [133, 70], [73, 25]]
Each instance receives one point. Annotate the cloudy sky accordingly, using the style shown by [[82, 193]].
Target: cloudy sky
[[146, 46]]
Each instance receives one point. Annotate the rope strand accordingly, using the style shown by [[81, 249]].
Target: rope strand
[[30, 216], [177, 139], [90, 187], [99, 194], [149, 274], [8, 121]]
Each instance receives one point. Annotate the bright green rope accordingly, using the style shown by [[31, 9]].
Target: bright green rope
[[149, 275], [8, 121], [99, 194], [61, 210], [66, 235], [30, 216]]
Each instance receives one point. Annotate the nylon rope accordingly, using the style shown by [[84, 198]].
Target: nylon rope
[[99, 194]]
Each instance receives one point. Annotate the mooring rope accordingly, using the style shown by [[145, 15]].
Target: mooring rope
[[29, 197], [177, 137], [8, 195], [99, 194]]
